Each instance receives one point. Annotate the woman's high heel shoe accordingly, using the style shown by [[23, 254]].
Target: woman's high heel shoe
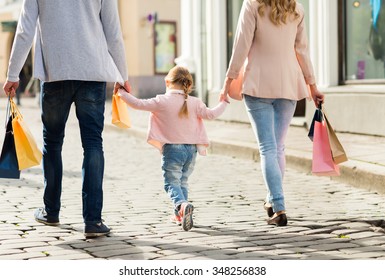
[[279, 220], [269, 210]]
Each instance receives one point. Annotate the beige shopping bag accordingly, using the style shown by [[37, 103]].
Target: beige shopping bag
[[338, 151]]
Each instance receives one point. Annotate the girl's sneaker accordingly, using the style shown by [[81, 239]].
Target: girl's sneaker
[[185, 212], [176, 219]]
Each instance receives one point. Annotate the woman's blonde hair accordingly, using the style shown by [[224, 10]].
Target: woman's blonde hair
[[181, 76], [280, 10]]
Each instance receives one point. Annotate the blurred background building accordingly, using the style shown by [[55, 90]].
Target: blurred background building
[[339, 32], [151, 35], [344, 38]]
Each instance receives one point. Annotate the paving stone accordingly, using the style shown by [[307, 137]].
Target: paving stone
[[22, 245], [301, 250], [98, 245], [333, 246], [11, 232], [360, 249], [367, 234], [10, 251], [22, 256], [368, 255], [73, 256], [9, 237], [345, 232], [375, 241], [30, 239], [117, 252], [144, 256]]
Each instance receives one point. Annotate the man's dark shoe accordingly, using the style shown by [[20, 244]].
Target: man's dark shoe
[[42, 217], [96, 230]]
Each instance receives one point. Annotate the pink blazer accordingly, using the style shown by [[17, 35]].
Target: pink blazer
[[276, 58], [166, 127]]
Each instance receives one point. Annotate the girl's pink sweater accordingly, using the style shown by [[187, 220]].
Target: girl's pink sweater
[[166, 127]]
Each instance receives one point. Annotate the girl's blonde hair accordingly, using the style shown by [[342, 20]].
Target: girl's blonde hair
[[280, 10], [181, 76]]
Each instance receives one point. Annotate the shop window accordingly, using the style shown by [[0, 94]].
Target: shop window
[[364, 46]]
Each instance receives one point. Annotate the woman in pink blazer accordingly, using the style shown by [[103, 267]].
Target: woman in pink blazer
[[271, 50]]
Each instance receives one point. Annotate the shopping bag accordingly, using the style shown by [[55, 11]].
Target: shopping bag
[[120, 116], [322, 163], [28, 154], [236, 86], [317, 117], [9, 167], [338, 151]]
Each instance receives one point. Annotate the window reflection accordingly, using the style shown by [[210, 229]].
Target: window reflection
[[365, 49]]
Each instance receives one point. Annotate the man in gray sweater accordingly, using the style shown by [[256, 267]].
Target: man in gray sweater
[[78, 48]]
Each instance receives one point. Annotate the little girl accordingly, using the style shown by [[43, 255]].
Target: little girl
[[177, 130]]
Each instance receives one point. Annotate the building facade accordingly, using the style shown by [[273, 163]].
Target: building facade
[[151, 32], [343, 50], [152, 36], [9, 12]]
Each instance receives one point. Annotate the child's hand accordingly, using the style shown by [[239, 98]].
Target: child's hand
[[122, 93]]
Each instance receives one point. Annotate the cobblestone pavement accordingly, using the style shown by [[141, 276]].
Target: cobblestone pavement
[[327, 219]]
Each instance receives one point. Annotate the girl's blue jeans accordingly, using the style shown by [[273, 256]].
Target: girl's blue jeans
[[56, 100], [270, 119], [178, 162]]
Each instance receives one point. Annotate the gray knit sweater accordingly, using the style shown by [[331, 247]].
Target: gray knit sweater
[[75, 40]]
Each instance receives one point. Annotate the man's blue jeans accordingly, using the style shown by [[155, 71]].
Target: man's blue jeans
[[270, 119], [178, 161], [56, 100]]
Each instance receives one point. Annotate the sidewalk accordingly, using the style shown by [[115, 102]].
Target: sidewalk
[[365, 168]]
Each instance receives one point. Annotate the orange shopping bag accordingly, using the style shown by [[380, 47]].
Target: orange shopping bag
[[236, 86], [120, 116], [28, 154]]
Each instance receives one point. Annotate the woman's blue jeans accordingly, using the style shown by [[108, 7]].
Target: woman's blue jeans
[[56, 100], [178, 161], [270, 119]]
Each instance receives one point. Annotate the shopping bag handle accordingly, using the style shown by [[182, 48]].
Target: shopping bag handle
[[7, 111], [12, 111], [15, 112], [320, 111]]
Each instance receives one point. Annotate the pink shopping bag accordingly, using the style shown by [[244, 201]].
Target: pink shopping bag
[[323, 164]]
